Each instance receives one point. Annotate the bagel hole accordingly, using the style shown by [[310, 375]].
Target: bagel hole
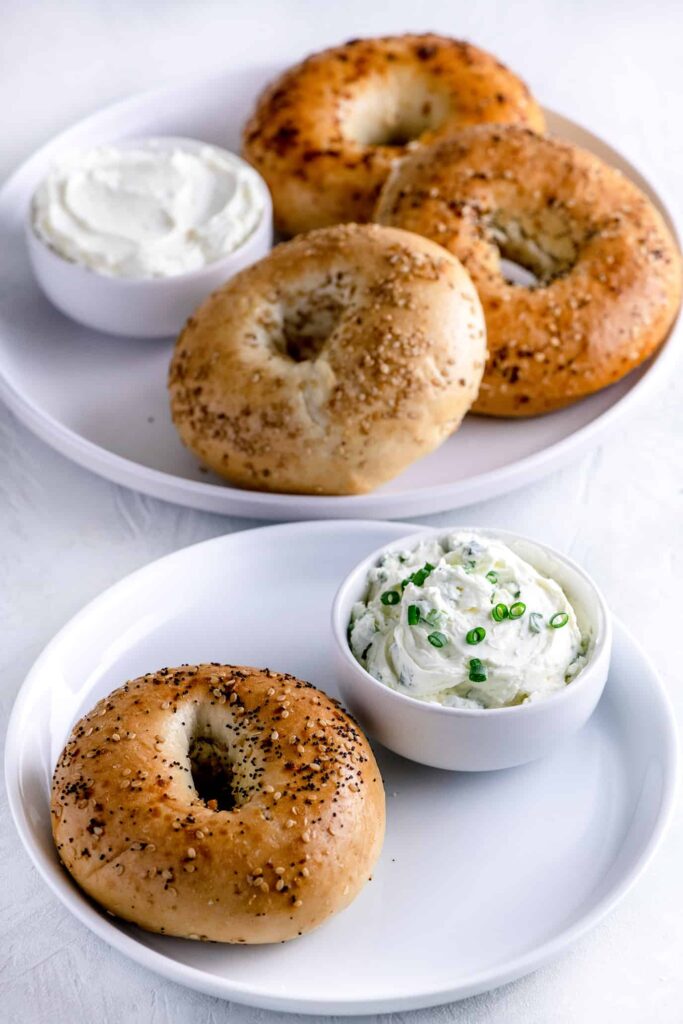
[[394, 112], [533, 250], [516, 273], [212, 773], [308, 323]]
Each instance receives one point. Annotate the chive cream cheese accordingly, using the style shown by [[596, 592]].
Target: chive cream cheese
[[465, 622]]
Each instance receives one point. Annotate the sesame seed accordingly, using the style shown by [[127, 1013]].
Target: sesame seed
[[191, 852]]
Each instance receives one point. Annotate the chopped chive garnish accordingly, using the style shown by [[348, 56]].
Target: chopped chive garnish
[[390, 597], [419, 576], [517, 593], [413, 615], [478, 672], [535, 622], [470, 566], [437, 639], [476, 635], [559, 620], [517, 610], [432, 617], [499, 612], [492, 577]]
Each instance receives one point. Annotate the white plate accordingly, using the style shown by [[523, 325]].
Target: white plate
[[483, 877], [102, 401]]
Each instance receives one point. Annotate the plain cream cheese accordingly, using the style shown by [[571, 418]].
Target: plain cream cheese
[[411, 632], [152, 209]]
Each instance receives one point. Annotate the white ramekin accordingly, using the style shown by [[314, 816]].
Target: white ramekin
[[464, 739], [147, 307]]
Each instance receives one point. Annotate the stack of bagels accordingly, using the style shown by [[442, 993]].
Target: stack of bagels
[[416, 177]]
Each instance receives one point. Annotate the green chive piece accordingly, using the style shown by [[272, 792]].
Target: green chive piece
[[476, 635], [499, 612], [492, 577], [517, 593], [559, 620], [437, 639], [390, 597], [517, 610], [535, 622], [413, 615], [478, 673], [432, 617], [419, 576]]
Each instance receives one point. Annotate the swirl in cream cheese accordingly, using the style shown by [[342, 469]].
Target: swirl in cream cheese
[[155, 208], [411, 632]]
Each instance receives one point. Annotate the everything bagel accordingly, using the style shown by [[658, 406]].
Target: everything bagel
[[608, 272], [332, 364], [326, 133], [219, 802]]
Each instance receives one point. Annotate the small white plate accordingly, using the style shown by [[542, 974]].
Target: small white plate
[[483, 877], [101, 400]]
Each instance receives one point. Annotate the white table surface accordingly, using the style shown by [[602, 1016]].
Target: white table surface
[[65, 534]]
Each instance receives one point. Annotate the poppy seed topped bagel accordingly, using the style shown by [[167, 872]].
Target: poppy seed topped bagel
[[607, 271], [326, 133], [219, 802], [331, 365]]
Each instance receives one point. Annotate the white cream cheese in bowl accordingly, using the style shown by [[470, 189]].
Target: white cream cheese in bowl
[[131, 236], [470, 649]]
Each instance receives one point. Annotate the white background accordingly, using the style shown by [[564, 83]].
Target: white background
[[65, 534]]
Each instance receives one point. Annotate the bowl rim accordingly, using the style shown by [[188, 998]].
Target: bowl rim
[[139, 283], [602, 637]]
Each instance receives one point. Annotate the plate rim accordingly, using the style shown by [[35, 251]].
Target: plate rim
[[229, 500], [193, 977]]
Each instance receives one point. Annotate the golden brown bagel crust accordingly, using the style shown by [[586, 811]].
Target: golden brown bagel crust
[[318, 132], [389, 347], [300, 843], [609, 270]]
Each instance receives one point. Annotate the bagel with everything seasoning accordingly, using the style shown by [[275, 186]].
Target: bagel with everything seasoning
[[220, 803], [607, 271], [331, 365], [326, 133]]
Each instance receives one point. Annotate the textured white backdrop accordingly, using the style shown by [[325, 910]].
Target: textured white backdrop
[[65, 534]]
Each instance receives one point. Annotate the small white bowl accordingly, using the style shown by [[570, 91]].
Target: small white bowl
[[153, 307], [476, 739]]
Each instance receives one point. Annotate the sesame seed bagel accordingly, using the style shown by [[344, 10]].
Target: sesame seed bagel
[[608, 272], [332, 364], [326, 133], [219, 802]]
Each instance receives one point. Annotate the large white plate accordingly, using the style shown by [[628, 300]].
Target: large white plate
[[483, 877], [102, 400]]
